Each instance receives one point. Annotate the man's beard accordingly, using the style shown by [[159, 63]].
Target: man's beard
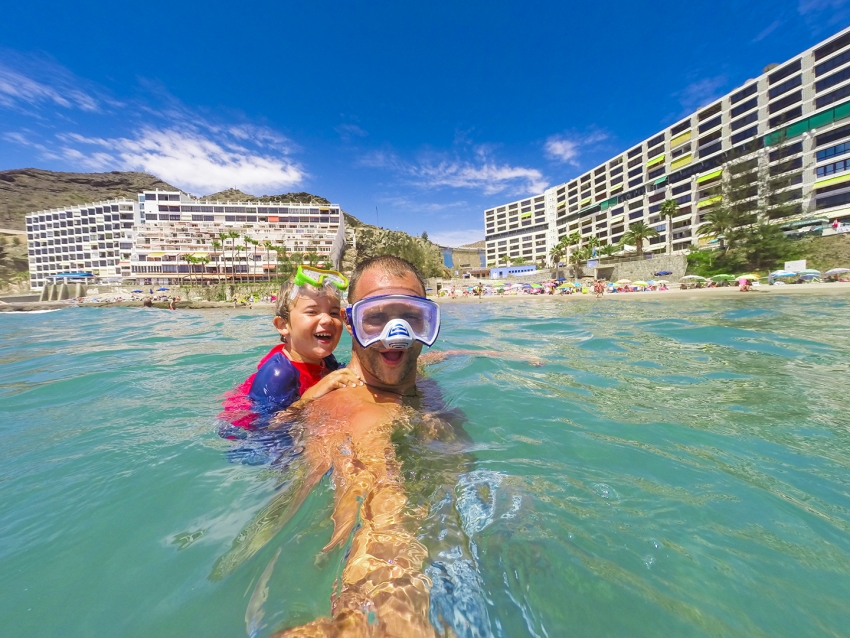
[[373, 363]]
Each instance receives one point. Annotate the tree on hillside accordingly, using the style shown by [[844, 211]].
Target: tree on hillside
[[636, 234], [425, 235]]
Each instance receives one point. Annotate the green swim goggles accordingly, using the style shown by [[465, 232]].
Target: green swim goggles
[[318, 278]]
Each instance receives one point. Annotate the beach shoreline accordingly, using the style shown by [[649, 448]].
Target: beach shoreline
[[831, 289]]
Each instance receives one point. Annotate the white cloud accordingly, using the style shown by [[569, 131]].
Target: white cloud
[[413, 205], [348, 132], [455, 238], [45, 84], [188, 159], [700, 93], [435, 171], [824, 15], [566, 148], [767, 30]]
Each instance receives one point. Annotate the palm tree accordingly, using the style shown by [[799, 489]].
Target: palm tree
[[203, 261], [216, 246], [254, 243], [576, 257], [296, 258], [607, 250], [669, 208], [233, 236], [720, 223], [189, 258], [556, 253], [269, 247], [311, 258], [636, 234], [591, 243]]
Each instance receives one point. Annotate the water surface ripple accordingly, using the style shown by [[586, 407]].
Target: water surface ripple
[[675, 468]]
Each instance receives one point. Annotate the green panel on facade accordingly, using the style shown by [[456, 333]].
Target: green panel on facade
[[660, 180], [798, 128], [842, 111], [655, 160], [821, 119], [584, 201]]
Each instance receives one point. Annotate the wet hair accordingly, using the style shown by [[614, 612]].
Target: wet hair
[[289, 293], [388, 264]]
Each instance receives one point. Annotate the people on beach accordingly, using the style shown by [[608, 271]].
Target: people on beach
[[302, 366]]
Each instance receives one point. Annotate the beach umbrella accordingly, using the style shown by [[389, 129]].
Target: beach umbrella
[[664, 272], [161, 289], [565, 285], [747, 277], [783, 273], [722, 278], [809, 271], [138, 291], [536, 286], [639, 283], [697, 277], [624, 281], [837, 271]]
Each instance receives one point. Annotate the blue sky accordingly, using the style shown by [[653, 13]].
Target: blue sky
[[430, 112]]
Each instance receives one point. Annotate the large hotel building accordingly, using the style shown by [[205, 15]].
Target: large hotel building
[[147, 240], [789, 128]]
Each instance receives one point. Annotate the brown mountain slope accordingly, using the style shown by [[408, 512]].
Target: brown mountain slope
[[26, 190]]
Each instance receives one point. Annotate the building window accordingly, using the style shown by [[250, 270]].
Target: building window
[[828, 99], [710, 124], [743, 93], [833, 63], [832, 80], [832, 47], [743, 135], [784, 72], [793, 98], [752, 117], [683, 126], [658, 139], [785, 117], [711, 110]]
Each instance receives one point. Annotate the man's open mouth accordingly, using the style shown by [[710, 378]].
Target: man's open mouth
[[392, 357]]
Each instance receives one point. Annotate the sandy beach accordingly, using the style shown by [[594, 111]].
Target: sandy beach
[[830, 289]]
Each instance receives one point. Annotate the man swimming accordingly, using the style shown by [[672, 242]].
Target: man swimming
[[384, 591]]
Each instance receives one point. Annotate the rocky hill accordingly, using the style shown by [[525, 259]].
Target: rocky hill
[[370, 241], [26, 190]]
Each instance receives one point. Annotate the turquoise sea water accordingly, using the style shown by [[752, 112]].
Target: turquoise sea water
[[676, 468]]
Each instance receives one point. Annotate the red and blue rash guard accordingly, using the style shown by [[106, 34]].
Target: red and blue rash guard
[[277, 384]]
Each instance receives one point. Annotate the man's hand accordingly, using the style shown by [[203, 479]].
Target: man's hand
[[342, 378]]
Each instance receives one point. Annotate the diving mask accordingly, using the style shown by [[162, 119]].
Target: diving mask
[[396, 321], [318, 278]]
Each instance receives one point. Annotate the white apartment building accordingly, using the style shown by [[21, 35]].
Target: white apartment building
[[790, 125], [147, 240]]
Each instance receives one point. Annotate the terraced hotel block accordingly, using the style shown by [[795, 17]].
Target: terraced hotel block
[[148, 239], [790, 127]]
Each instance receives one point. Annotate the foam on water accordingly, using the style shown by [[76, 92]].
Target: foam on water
[[676, 468]]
